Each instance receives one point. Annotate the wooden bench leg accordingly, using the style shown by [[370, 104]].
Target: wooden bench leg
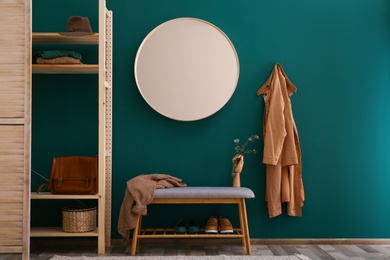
[[136, 231], [139, 228], [244, 226], [241, 223]]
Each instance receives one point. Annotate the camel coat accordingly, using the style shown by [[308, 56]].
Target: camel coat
[[282, 153]]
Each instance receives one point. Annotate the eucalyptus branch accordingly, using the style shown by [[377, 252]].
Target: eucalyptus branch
[[241, 150]]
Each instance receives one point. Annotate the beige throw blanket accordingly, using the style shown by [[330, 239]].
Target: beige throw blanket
[[138, 194]]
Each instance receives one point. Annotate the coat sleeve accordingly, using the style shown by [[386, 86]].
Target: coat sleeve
[[274, 121]]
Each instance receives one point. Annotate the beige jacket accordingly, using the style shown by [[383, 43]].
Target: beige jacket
[[138, 194], [282, 154]]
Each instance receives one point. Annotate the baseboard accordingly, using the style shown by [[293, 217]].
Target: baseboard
[[321, 241], [267, 241]]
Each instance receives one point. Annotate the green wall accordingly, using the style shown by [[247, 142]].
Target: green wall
[[335, 52]]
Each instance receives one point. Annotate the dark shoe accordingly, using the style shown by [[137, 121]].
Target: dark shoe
[[212, 225], [224, 225], [181, 226], [192, 226]]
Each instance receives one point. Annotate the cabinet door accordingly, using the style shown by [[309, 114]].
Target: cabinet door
[[12, 185], [15, 81]]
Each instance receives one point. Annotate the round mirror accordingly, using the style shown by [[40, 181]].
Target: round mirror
[[186, 69]]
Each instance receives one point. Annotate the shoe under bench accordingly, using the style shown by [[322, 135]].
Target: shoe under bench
[[198, 195]]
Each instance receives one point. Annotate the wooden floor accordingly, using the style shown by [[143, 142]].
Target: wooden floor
[[42, 249]]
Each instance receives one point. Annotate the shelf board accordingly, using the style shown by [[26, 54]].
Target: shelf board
[[49, 196], [56, 38], [57, 232], [65, 69]]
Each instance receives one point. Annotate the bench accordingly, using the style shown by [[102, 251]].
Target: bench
[[198, 195]]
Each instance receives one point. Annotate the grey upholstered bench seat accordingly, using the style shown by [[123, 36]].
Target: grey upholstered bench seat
[[204, 192]]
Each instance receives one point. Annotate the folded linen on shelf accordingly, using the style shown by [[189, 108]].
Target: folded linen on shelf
[[54, 54], [59, 60]]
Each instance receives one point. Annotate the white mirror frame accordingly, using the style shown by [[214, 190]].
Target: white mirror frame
[[186, 69]]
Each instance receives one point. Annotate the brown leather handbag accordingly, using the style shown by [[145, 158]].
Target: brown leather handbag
[[76, 175]]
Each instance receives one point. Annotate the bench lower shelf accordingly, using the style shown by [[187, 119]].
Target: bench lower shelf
[[170, 233]]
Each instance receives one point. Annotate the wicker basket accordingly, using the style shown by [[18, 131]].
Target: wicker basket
[[78, 219]]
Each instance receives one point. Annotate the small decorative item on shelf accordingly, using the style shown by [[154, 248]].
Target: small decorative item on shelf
[[78, 26], [238, 159], [78, 219]]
